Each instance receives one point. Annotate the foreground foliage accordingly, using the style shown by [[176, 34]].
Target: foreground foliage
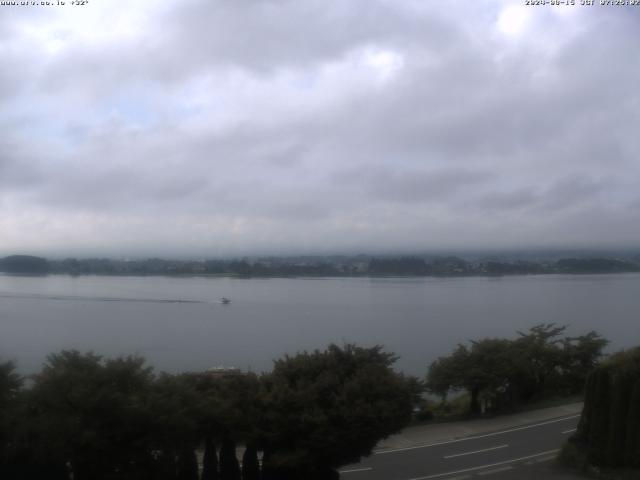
[[609, 430], [89, 418], [330, 408]]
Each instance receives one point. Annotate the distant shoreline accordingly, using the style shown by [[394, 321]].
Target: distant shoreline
[[356, 266], [292, 277]]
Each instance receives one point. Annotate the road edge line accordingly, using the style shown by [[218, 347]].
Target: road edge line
[[473, 469]]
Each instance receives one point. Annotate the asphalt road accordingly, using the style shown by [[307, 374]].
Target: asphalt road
[[495, 455]]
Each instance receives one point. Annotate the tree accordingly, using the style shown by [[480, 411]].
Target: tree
[[328, 408], [483, 370], [581, 356], [187, 464], [488, 373], [449, 373], [502, 372], [10, 385], [176, 409], [209, 461], [230, 409], [92, 413], [632, 435], [538, 357], [609, 428], [229, 467], [230, 405], [250, 464]]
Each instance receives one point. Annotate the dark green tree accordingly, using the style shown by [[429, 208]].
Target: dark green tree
[[229, 466], [580, 356], [210, 461], [229, 403], [176, 408], [443, 375], [328, 408], [10, 385], [500, 373], [187, 464], [632, 435], [538, 357], [92, 414], [488, 373], [250, 464], [610, 422], [483, 370]]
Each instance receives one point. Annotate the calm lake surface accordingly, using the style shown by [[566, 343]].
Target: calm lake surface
[[178, 323]]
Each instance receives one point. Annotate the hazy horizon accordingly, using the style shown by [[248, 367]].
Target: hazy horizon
[[215, 129], [513, 253]]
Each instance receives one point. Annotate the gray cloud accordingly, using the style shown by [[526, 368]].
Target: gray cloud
[[19, 167], [411, 186], [285, 125]]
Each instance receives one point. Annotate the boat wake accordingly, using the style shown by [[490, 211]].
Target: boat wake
[[75, 298]]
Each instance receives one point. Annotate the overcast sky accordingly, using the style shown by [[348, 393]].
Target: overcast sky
[[224, 127]]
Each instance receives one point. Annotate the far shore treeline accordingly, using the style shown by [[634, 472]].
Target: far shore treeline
[[85, 417], [359, 265]]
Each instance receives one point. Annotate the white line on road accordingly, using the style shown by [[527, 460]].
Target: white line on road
[[356, 470], [382, 452], [472, 469], [569, 431], [545, 459], [477, 451], [496, 470]]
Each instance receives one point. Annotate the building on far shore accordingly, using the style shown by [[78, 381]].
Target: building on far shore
[[222, 371]]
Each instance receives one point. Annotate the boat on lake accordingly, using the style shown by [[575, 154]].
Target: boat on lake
[[225, 301]]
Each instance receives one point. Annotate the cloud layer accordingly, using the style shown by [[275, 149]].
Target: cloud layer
[[228, 127]]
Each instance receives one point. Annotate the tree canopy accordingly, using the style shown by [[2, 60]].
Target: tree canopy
[[500, 373], [92, 418], [331, 407], [609, 430]]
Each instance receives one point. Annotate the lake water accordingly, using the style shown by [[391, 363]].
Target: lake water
[[178, 323]]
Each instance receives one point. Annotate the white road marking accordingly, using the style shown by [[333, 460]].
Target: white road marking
[[394, 450], [569, 431], [356, 470], [472, 469], [496, 470], [545, 459], [477, 451]]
